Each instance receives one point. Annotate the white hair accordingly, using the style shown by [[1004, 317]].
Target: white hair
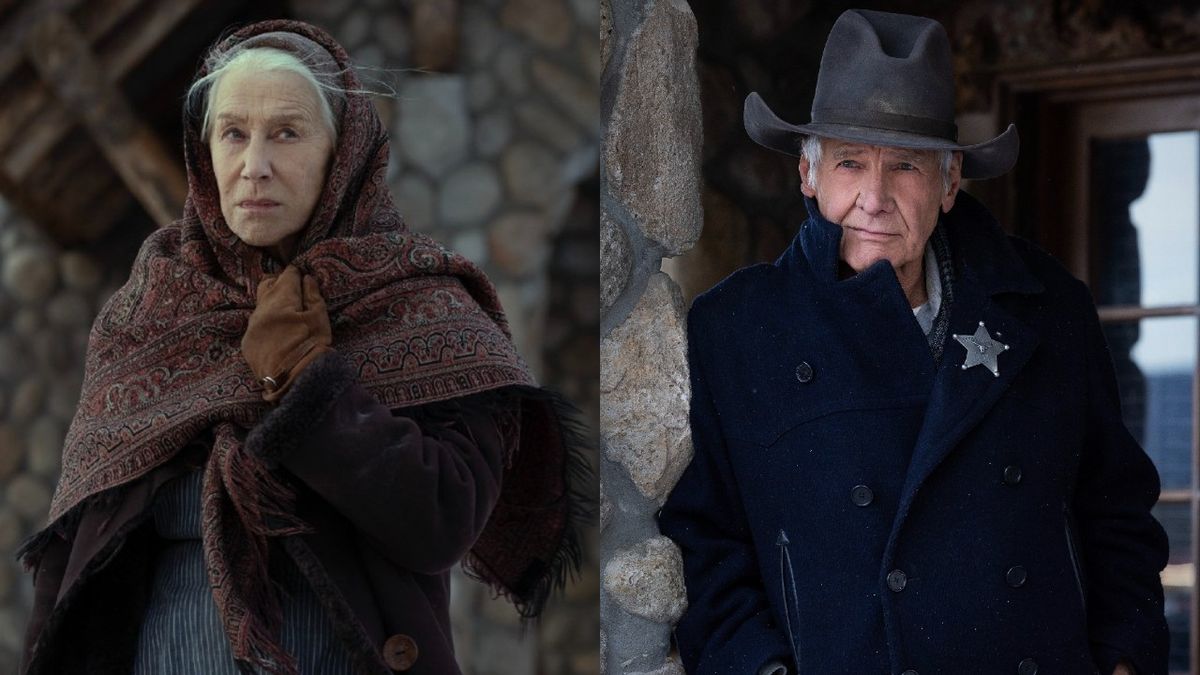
[[263, 59], [810, 149]]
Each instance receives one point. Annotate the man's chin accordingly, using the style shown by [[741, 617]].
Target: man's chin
[[862, 259]]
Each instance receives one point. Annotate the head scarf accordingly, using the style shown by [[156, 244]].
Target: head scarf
[[421, 324]]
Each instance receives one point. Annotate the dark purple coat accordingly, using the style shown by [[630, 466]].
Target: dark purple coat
[[394, 501]]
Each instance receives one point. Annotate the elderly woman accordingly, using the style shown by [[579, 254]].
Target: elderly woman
[[296, 416]]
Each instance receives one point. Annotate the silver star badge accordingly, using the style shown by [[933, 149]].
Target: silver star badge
[[982, 350]]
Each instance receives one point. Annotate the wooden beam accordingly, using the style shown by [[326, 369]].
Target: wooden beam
[[29, 99], [23, 141], [76, 191], [435, 37], [145, 30], [71, 157], [35, 136], [12, 30], [79, 214], [64, 60], [25, 99], [89, 208], [94, 18]]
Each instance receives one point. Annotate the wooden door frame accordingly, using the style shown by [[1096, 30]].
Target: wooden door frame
[[1040, 102]]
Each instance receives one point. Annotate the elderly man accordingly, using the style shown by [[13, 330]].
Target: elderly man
[[909, 453]]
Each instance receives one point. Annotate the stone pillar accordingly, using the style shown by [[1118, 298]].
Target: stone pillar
[[650, 201]]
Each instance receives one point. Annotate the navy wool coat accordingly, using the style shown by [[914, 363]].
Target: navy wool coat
[[884, 513]]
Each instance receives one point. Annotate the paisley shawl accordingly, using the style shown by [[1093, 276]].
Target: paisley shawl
[[420, 323]]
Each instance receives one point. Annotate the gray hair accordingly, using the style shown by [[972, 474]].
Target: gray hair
[[810, 149], [264, 59]]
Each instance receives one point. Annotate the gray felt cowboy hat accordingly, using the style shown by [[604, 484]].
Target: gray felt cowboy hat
[[885, 79]]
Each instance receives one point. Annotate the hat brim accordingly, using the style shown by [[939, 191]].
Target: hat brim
[[980, 160]]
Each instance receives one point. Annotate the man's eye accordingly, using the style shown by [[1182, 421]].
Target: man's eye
[[848, 164], [905, 166]]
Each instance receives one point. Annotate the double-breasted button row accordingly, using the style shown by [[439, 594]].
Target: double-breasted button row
[[1014, 577], [400, 652]]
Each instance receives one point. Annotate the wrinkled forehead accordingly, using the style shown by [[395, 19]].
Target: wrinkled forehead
[[319, 61], [838, 150], [272, 93]]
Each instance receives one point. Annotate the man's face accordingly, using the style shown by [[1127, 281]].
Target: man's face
[[885, 199]]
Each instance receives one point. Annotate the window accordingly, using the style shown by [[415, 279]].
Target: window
[[1145, 191]]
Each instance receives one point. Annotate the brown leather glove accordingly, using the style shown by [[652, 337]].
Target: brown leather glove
[[288, 329]]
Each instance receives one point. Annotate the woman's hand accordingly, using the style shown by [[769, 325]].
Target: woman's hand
[[288, 329]]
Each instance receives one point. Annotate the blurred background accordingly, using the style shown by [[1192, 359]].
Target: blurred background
[[495, 138], [1106, 95]]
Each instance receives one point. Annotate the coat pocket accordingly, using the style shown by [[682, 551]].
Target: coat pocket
[[1073, 553], [787, 576]]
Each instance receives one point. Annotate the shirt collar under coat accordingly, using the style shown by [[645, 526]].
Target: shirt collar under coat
[[979, 248]]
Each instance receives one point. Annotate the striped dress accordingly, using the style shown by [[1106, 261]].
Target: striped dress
[[181, 632]]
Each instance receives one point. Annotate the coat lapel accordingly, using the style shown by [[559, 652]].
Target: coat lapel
[[960, 398], [986, 266]]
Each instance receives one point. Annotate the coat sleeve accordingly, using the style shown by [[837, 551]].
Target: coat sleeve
[[727, 627], [1124, 548], [421, 493]]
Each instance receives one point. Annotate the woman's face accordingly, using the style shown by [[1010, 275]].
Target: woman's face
[[270, 152]]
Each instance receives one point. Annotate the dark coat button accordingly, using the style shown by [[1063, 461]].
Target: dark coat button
[[897, 580], [1016, 576], [804, 372], [400, 652], [910, 671], [861, 495], [1012, 474], [1027, 667]]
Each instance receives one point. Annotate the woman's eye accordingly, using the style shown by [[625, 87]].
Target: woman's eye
[[232, 133], [288, 132]]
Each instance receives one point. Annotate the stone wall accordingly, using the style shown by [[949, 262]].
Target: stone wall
[[48, 297], [495, 155], [650, 208]]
